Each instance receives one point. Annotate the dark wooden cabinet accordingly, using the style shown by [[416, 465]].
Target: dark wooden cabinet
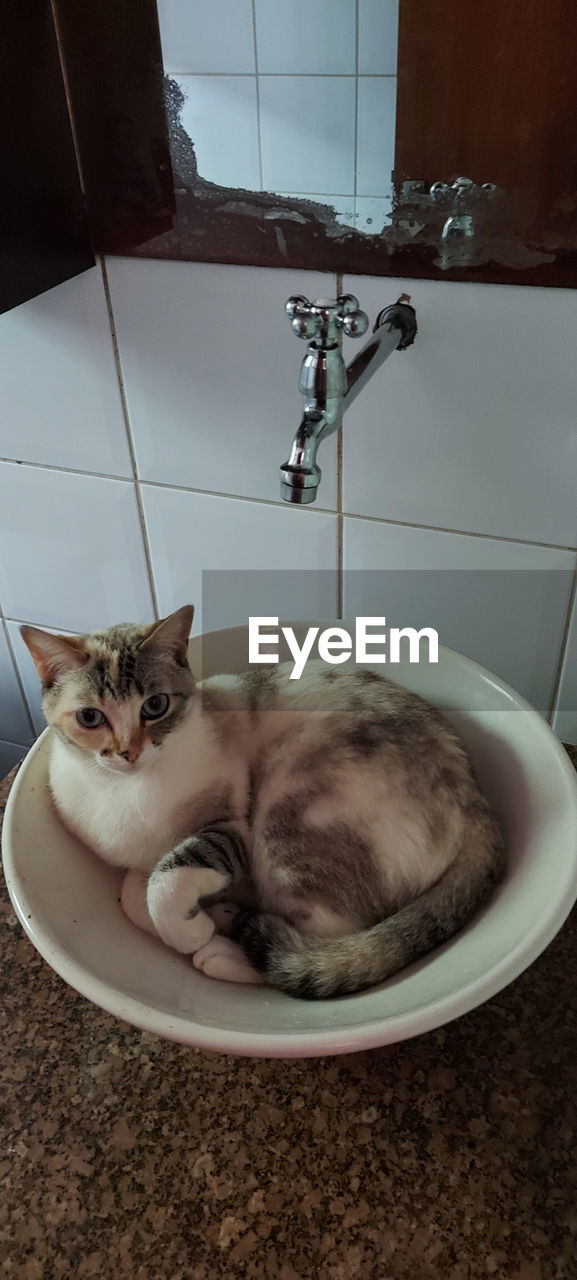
[[44, 236]]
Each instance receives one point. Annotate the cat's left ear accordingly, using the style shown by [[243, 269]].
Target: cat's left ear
[[171, 634]]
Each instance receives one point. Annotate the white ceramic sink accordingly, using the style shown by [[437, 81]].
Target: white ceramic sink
[[68, 903]]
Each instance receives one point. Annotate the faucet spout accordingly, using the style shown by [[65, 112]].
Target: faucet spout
[[394, 330], [301, 475]]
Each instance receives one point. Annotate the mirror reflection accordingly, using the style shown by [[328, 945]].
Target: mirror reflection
[[290, 97]]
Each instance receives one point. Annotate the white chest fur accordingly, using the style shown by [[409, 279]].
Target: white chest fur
[[131, 820]]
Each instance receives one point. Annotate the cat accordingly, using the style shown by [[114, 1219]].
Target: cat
[[318, 834]]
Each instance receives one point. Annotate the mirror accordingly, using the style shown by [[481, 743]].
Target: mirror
[[289, 97], [388, 137]]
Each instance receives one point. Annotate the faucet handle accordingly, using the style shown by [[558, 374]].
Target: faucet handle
[[353, 322], [296, 303], [304, 321], [326, 317]]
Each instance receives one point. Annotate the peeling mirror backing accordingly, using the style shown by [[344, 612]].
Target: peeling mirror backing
[[276, 133]]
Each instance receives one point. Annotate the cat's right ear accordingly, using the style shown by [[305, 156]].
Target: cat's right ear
[[171, 634], [53, 655]]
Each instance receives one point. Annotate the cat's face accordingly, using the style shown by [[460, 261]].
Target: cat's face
[[116, 695]]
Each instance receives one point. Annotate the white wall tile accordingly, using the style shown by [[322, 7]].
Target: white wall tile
[[191, 532], [301, 38], [502, 603], [565, 721], [211, 371], [10, 754], [307, 133], [372, 213], [220, 116], [72, 551], [475, 427], [378, 30], [60, 396], [377, 109], [198, 37], [14, 720], [343, 205], [27, 670], [29, 677]]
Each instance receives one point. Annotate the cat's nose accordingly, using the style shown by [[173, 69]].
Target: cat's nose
[[131, 755]]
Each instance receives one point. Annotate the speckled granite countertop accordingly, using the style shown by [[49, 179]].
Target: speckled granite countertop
[[451, 1157]]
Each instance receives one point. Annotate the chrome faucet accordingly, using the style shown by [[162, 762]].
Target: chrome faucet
[[463, 234], [327, 384]]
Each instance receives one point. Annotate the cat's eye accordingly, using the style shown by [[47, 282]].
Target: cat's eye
[[90, 718], [155, 706]]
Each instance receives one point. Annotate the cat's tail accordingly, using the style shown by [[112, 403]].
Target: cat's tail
[[318, 968]]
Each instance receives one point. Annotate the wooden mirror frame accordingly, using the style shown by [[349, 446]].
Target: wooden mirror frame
[[494, 83]]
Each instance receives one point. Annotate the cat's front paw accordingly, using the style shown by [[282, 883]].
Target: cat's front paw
[[133, 901], [173, 896]]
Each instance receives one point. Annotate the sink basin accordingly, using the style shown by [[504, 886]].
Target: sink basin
[[67, 900]]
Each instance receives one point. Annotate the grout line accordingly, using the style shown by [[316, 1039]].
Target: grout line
[[258, 128], [339, 289], [281, 75], [69, 471], [462, 533], [275, 502], [137, 489], [334, 195], [156, 484], [48, 626], [239, 497], [356, 108], [340, 521], [554, 704], [19, 681]]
